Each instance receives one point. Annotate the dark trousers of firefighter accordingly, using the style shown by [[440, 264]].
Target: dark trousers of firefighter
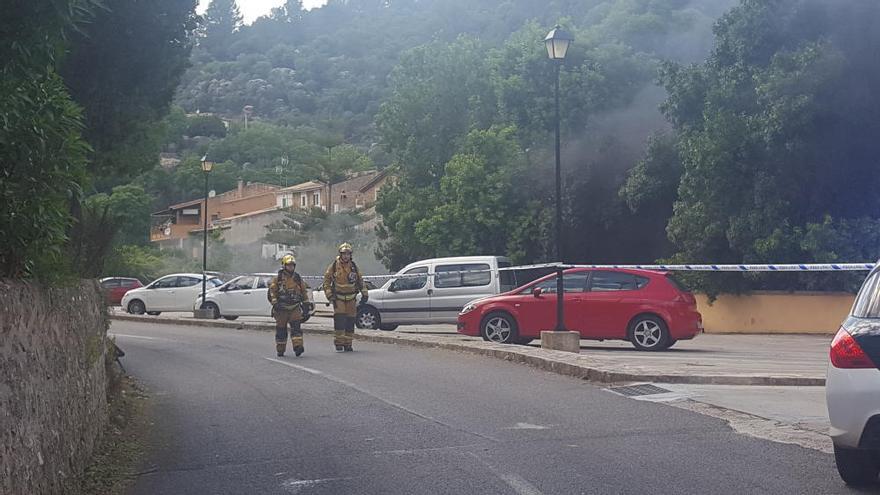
[[282, 320], [344, 313]]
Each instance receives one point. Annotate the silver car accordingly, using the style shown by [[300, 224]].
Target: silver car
[[853, 388]]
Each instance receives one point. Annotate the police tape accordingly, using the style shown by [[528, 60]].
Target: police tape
[[814, 267], [800, 267]]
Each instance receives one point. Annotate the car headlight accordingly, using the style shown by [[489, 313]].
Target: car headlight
[[467, 309]]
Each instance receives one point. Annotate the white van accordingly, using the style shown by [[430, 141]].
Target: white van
[[434, 291]]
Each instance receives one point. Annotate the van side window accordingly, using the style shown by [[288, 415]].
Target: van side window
[[506, 277], [411, 283], [444, 279]]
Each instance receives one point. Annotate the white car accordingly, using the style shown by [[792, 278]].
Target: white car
[[322, 305], [853, 388], [175, 292], [246, 295]]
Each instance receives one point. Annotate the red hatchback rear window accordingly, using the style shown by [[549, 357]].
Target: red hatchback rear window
[[676, 283]]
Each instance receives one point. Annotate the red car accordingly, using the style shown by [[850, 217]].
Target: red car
[[648, 308], [116, 287]]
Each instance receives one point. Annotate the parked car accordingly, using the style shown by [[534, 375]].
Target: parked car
[[648, 308], [852, 388], [242, 296], [175, 292], [116, 287], [434, 291], [322, 305]]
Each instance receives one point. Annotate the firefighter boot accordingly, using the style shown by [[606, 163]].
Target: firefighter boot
[[280, 348], [298, 347]]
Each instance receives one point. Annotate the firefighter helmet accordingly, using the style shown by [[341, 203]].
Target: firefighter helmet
[[288, 259], [345, 248]]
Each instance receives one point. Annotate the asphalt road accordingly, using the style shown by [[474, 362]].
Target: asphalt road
[[230, 417]]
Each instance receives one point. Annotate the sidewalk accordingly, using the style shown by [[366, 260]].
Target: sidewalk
[[790, 360]]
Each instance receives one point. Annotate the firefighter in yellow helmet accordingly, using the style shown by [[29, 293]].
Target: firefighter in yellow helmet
[[289, 297], [342, 284]]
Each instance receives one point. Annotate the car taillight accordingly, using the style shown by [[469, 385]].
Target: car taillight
[[846, 353]]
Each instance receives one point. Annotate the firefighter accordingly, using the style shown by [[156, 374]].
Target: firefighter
[[342, 283], [289, 297]]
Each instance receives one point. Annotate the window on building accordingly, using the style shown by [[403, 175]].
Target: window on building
[[316, 199], [302, 200], [336, 208], [284, 202]]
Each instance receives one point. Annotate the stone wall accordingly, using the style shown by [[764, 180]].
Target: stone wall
[[53, 403]]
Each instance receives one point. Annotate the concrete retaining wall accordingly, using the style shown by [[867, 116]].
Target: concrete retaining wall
[[53, 403], [775, 312]]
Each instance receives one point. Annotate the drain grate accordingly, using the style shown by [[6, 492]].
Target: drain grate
[[639, 390]]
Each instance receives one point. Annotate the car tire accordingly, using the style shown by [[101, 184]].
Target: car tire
[[499, 327], [388, 328], [154, 313], [230, 318], [648, 333], [857, 467], [368, 318], [136, 307], [523, 341], [214, 308]]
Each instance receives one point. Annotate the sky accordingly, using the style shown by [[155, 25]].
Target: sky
[[251, 9]]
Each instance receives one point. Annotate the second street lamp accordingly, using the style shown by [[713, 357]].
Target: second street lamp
[[207, 166], [557, 42]]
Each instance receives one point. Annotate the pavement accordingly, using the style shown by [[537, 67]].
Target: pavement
[[230, 417], [709, 359]]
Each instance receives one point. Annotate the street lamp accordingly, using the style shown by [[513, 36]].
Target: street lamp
[[557, 42], [207, 166]]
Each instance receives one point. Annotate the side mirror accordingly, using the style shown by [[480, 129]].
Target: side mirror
[[224, 288], [392, 288], [537, 291]]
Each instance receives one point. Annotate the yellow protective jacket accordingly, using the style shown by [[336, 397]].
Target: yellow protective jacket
[[289, 283], [342, 281]]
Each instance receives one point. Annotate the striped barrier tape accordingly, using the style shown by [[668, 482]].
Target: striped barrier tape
[[803, 267], [800, 267]]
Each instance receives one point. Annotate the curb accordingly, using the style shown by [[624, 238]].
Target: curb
[[547, 360]]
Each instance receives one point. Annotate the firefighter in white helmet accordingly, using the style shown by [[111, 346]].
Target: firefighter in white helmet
[[342, 284]]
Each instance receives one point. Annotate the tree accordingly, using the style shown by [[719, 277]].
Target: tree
[[123, 68], [222, 19], [777, 133], [438, 93], [42, 153], [206, 125]]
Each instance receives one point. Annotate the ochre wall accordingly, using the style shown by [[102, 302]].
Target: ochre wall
[[775, 312]]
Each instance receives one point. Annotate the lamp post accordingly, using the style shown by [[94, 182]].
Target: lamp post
[[207, 166], [557, 42]]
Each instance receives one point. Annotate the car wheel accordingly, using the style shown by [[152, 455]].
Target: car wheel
[[230, 318], [648, 333], [857, 467], [136, 307], [214, 309], [499, 327], [154, 313], [368, 317], [388, 328]]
